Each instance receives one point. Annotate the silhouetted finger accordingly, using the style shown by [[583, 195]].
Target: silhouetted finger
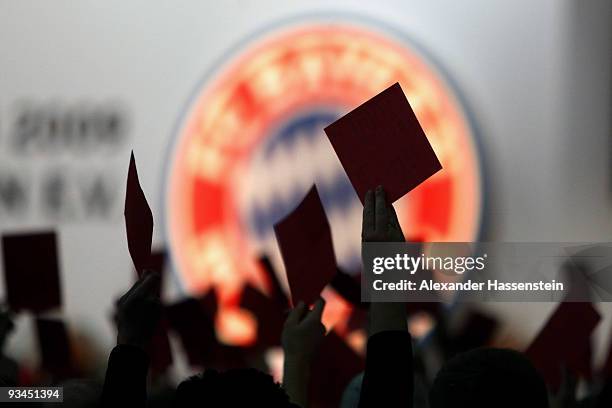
[[129, 292], [381, 217], [367, 226], [295, 316], [317, 311]]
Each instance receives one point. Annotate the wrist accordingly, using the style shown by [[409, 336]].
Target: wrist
[[299, 357], [299, 360], [296, 378], [298, 365], [387, 317]]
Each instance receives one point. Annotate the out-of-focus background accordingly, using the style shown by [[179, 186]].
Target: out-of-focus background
[[224, 103]]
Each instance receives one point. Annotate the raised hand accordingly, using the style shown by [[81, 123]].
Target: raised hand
[[303, 330], [139, 311], [388, 373], [302, 334], [380, 223]]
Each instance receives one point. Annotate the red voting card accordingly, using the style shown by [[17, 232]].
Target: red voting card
[[157, 263], [190, 320], [210, 304], [382, 143], [159, 349], [138, 220], [332, 369], [305, 242], [55, 350], [276, 290], [269, 328], [31, 271], [565, 340]]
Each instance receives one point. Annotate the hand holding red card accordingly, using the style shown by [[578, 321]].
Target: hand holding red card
[[305, 242], [382, 143], [157, 263], [138, 221]]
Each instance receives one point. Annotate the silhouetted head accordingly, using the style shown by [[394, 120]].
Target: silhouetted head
[[233, 388], [488, 377]]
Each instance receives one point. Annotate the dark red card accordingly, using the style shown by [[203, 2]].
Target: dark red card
[[565, 340], [55, 350], [305, 242], [159, 349], [382, 143], [348, 287], [31, 271], [277, 294], [157, 263], [334, 366], [271, 316], [138, 220], [190, 320]]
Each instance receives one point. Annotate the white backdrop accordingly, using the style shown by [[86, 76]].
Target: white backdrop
[[536, 75]]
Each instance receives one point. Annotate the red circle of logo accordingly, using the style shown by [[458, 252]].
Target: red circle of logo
[[253, 139]]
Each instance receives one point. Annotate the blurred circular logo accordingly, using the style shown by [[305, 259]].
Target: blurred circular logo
[[252, 144]]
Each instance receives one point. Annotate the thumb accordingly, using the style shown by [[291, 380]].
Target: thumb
[[296, 314], [149, 282], [317, 311]]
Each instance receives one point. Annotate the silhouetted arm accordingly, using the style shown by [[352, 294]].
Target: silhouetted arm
[[125, 383], [302, 335], [138, 313], [388, 378]]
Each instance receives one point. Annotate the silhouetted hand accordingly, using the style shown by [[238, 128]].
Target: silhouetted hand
[[302, 335], [139, 311], [303, 330], [380, 223], [388, 374]]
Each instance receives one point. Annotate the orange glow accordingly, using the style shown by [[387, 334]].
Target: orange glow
[[236, 326], [420, 324]]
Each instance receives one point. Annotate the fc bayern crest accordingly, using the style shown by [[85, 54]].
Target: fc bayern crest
[[252, 144]]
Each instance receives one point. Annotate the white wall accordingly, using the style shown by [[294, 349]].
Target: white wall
[[536, 75]]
